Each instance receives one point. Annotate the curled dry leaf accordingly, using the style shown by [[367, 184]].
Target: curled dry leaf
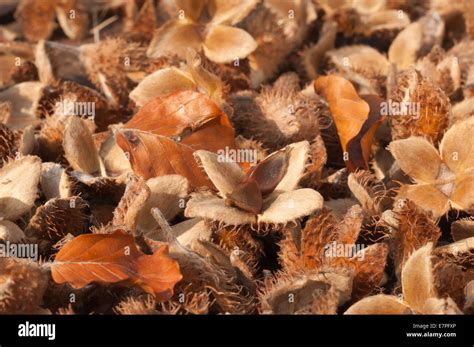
[[79, 147], [115, 258], [356, 118], [154, 155]]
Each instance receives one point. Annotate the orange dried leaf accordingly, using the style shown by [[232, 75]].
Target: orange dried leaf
[[356, 118], [115, 258], [153, 155]]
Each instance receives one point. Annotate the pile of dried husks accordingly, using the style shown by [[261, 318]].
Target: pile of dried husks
[[236, 156]]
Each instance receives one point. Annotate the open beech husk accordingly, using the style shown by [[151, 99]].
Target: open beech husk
[[282, 205], [415, 40]]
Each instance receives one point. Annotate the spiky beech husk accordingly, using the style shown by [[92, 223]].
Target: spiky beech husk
[[362, 65], [68, 93], [304, 293], [453, 269], [371, 193], [273, 44], [7, 143], [137, 305], [10, 232], [414, 229], [50, 139], [241, 243], [434, 108], [279, 115], [36, 19], [441, 68], [22, 285], [57, 218], [462, 53], [199, 272]]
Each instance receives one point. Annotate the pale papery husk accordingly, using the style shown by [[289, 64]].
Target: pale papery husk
[[371, 193], [79, 147], [57, 218], [24, 100], [114, 159], [278, 115], [133, 201], [417, 279], [379, 304], [191, 230], [18, 196]]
